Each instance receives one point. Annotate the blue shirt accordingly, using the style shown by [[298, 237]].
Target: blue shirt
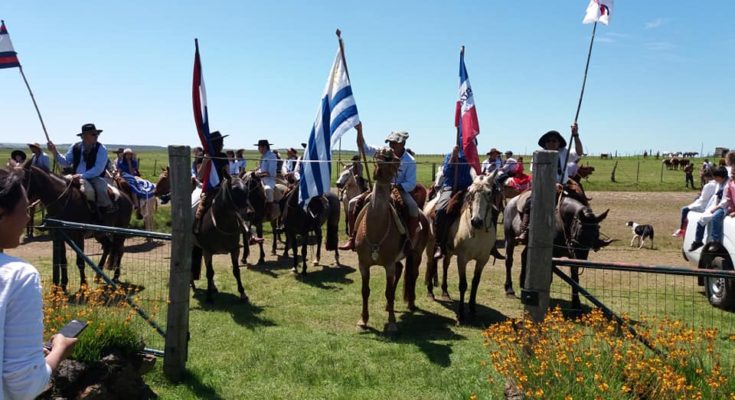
[[41, 161], [464, 176], [406, 175], [93, 171], [269, 164], [122, 166]]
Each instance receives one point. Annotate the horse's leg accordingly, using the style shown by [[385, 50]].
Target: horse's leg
[[245, 248], [409, 281], [445, 269], [211, 289], [479, 266], [276, 236], [293, 244], [396, 279], [259, 230], [80, 263], [304, 244], [118, 246], [58, 258], [317, 260], [196, 265], [390, 297], [430, 273], [462, 270], [509, 248], [576, 304], [236, 272], [365, 274], [104, 242], [524, 256]]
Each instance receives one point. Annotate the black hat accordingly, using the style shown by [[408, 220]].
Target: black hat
[[303, 145], [720, 172], [263, 142], [554, 134], [356, 157], [493, 150], [216, 135], [19, 153], [89, 128]]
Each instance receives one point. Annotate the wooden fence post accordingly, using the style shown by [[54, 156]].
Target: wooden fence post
[[433, 173], [541, 234], [177, 326], [638, 172]]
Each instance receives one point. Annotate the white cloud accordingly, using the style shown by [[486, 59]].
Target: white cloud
[[656, 23]]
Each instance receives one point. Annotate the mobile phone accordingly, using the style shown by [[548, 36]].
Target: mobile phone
[[70, 330]]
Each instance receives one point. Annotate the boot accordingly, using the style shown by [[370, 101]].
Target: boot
[[255, 240], [350, 243], [199, 213], [440, 227], [413, 227], [523, 236]]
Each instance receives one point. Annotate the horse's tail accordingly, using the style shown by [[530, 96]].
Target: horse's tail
[[196, 263], [332, 222]]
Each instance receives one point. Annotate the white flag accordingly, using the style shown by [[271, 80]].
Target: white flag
[[598, 10]]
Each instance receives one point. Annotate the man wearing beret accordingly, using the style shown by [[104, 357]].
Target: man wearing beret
[[405, 182], [88, 160]]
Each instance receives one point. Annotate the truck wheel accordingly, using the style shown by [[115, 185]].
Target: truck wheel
[[720, 291]]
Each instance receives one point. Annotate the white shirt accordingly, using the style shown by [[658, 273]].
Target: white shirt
[[233, 167], [488, 166], [269, 164], [708, 191], [24, 371]]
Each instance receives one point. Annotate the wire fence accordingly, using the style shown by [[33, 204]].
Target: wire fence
[[647, 296]]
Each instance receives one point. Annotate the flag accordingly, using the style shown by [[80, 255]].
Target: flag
[[465, 118], [201, 119], [8, 56], [598, 10], [337, 113]]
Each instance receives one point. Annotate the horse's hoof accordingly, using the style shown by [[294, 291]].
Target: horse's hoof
[[273, 253], [412, 308], [261, 261], [390, 328], [244, 298], [362, 325], [244, 261], [510, 292], [315, 263], [294, 270], [430, 296], [445, 296], [209, 300]]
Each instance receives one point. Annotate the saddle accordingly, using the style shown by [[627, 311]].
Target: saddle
[[88, 190], [454, 206], [399, 212]]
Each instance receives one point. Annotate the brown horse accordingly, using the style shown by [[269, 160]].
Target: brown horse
[[65, 201], [163, 186], [381, 240], [219, 233], [299, 224], [257, 214]]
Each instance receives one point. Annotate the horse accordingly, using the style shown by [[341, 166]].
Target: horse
[[471, 237], [577, 231], [163, 186], [67, 202], [381, 240], [256, 214], [219, 233], [348, 190], [299, 223], [146, 206]]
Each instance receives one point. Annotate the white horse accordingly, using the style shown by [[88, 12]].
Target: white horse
[[148, 209], [348, 189], [471, 237]]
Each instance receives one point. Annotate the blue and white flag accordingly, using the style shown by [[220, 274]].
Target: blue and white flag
[[336, 115], [141, 188]]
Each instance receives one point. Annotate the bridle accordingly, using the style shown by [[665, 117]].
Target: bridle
[[27, 185]]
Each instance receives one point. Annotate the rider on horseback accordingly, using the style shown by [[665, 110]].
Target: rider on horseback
[[88, 160], [405, 182], [218, 159], [458, 176], [552, 140], [267, 172]]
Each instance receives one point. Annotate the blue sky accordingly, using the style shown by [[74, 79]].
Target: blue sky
[[661, 75]]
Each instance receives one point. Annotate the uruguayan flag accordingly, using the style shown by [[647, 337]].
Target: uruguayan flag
[[336, 115]]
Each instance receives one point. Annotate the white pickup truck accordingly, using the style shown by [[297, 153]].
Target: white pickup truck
[[717, 256]]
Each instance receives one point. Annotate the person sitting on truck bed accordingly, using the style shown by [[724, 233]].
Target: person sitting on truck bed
[[724, 204]]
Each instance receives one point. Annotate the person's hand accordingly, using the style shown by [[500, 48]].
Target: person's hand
[[455, 154], [63, 344], [575, 130], [559, 188], [76, 177], [51, 147], [360, 138]]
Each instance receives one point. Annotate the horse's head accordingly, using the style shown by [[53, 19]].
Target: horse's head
[[344, 178], [481, 201], [582, 225], [237, 192], [386, 165], [163, 186]]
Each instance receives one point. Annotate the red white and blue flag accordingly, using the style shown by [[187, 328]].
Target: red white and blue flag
[[201, 118], [465, 118], [8, 57], [598, 10]]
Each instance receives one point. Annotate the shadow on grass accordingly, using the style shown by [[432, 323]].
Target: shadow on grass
[[244, 314], [484, 316], [324, 277], [566, 308], [200, 389]]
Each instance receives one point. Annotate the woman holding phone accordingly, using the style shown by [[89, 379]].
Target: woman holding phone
[[26, 367]]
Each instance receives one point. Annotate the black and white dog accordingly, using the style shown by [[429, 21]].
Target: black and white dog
[[641, 233]]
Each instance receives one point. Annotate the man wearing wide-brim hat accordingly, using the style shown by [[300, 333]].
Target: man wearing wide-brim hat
[[404, 181], [492, 163], [218, 159], [39, 158], [19, 156], [88, 160], [553, 140], [290, 166]]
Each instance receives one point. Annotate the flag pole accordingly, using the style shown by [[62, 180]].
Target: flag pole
[[33, 98], [358, 127], [579, 104], [459, 134]]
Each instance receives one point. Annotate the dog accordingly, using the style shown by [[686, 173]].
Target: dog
[[641, 233]]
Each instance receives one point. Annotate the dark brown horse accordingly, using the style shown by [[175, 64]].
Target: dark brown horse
[[577, 232], [65, 201], [299, 224], [219, 233], [256, 215]]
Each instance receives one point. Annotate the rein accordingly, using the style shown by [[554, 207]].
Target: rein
[[240, 221], [63, 193]]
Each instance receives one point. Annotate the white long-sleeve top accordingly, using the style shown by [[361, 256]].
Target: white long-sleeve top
[[25, 373], [700, 204], [406, 175]]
